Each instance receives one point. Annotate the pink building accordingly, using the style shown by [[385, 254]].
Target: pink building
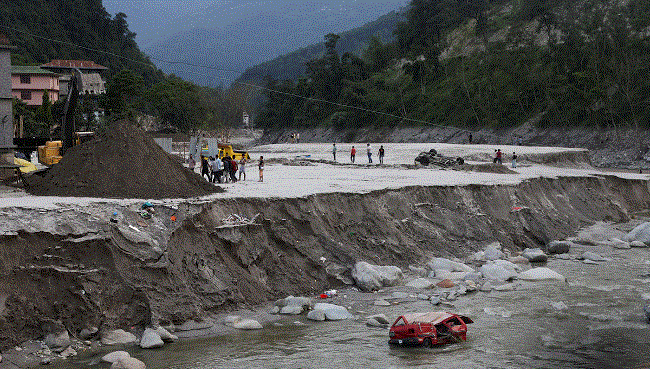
[[28, 84]]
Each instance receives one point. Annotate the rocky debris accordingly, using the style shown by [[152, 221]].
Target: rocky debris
[[418, 271], [339, 272], [486, 287], [588, 255], [165, 335], [115, 356], [434, 158], [150, 339], [292, 310], [69, 351], [128, 363], [534, 255], [117, 337], [88, 333], [491, 252], [619, 244], [58, 342], [446, 283], [317, 315], [291, 305], [639, 234], [124, 163], [229, 320], [499, 271], [369, 277], [539, 274], [558, 247], [381, 302], [379, 320], [448, 265], [333, 312], [519, 260], [247, 324], [420, 283]]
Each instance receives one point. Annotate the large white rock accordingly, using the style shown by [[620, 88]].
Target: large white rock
[[247, 324], [128, 363], [317, 315], [493, 252], [497, 271], [165, 335], [539, 274], [292, 309], [150, 339], [559, 247], [370, 277], [333, 312], [117, 337], [449, 265], [115, 356], [379, 320], [534, 255], [639, 233], [229, 320], [421, 283]]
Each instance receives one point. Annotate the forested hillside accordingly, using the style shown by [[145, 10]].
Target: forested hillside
[[481, 63], [81, 22], [292, 65]]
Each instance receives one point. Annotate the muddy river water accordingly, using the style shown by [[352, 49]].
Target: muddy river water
[[604, 326]]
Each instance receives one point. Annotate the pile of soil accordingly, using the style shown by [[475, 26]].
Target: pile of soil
[[122, 163]]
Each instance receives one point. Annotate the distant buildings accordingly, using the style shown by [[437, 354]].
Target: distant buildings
[[91, 81], [29, 83]]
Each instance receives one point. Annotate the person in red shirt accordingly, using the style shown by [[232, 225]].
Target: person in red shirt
[[352, 154], [498, 156]]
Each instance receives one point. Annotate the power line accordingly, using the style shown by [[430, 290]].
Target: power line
[[239, 83]]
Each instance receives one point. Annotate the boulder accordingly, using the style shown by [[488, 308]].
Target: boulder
[[303, 302], [539, 274], [435, 300], [519, 260], [247, 324], [446, 283], [117, 337], [558, 247], [421, 283], [229, 320], [150, 339], [115, 356], [317, 315], [381, 302], [638, 244], [493, 252], [370, 277], [165, 335], [486, 287], [588, 255], [619, 244], [422, 296], [498, 272], [379, 320], [534, 255], [128, 363], [559, 305], [275, 310], [292, 309], [471, 285], [449, 265], [58, 342], [69, 351], [418, 271], [639, 233], [88, 333], [333, 312]]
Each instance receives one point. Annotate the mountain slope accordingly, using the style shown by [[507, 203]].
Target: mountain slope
[[262, 37]]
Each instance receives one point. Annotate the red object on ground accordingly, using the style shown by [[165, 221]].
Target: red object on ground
[[428, 329], [323, 296], [173, 218]]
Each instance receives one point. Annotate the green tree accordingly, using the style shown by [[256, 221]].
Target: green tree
[[123, 95]]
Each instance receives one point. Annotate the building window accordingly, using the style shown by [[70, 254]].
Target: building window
[[25, 79], [26, 95]]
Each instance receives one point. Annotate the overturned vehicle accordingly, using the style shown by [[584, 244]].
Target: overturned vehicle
[[434, 158], [429, 329]]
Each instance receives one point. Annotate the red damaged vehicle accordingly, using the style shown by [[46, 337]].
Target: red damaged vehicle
[[429, 329]]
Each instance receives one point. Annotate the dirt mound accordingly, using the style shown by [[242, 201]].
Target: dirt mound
[[123, 163], [486, 168]]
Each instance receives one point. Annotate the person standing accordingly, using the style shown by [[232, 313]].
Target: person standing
[[298, 137], [243, 167], [498, 156], [261, 168], [470, 138], [352, 154], [514, 160], [204, 168], [220, 169], [233, 170], [380, 154], [191, 163], [368, 153], [334, 152], [227, 168], [212, 165]]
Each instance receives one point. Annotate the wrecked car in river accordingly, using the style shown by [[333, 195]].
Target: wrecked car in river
[[429, 329]]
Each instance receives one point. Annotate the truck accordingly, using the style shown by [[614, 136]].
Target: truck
[[429, 329]]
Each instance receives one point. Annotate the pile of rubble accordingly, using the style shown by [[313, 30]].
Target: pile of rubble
[[434, 158]]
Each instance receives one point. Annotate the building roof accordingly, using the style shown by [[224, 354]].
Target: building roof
[[25, 69], [80, 64]]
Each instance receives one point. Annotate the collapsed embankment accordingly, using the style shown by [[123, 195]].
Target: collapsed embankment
[[75, 266]]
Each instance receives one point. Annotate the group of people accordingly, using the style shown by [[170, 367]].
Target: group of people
[[224, 170], [498, 158], [353, 152], [296, 137]]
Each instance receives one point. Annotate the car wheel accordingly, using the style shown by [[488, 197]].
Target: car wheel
[[427, 342]]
